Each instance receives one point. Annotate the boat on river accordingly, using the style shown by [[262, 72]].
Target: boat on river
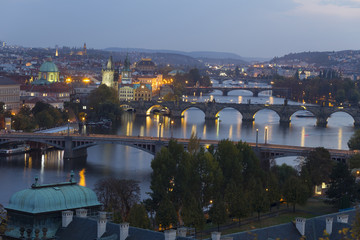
[[15, 149], [305, 115]]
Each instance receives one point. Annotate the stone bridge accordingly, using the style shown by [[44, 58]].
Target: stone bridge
[[248, 111], [197, 91], [75, 145]]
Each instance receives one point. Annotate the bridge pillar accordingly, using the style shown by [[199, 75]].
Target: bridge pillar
[[225, 92], [158, 146], [210, 116], [356, 121], [70, 153], [176, 114], [247, 117], [321, 121], [285, 120], [255, 93], [141, 112]]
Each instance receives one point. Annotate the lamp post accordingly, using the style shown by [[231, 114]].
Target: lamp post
[[257, 137], [68, 127], [266, 134], [171, 125], [159, 131]]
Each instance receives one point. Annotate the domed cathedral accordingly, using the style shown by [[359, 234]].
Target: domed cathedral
[[48, 73], [110, 75], [126, 72]]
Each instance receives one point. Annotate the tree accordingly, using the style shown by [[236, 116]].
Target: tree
[[354, 161], [238, 201], [192, 213], [138, 217], [104, 103], [217, 212], [354, 142], [166, 214], [343, 189], [3, 220], [260, 199], [319, 165], [118, 195], [295, 191]]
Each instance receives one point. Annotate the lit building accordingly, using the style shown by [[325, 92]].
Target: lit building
[[154, 80], [142, 92], [110, 75], [126, 93], [146, 66], [10, 94], [48, 73], [126, 72], [60, 91]]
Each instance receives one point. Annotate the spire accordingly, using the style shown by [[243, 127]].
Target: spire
[[127, 63], [110, 63]]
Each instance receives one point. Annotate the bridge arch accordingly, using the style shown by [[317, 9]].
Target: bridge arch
[[151, 109], [303, 113], [148, 148], [278, 114], [183, 110], [251, 93], [342, 111], [217, 115]]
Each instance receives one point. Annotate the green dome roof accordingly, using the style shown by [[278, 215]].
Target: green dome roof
[[51, 198], [49, 67]]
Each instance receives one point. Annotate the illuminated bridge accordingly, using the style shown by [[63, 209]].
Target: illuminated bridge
[[75, 145], [248, 111], [197, 91]]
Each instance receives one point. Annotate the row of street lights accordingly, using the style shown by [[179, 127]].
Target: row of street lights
[[171, 129], [265, 136]]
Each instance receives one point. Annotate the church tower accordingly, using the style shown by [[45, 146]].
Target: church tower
[[126, 72], [85, 51], [110, 75]]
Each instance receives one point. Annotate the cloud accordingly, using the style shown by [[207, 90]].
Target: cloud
[[337, 8]]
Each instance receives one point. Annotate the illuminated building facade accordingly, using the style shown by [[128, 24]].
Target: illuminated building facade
[[48, 74], [110, 75], [126, 93], [146, 66], [142, 92], [10, 94]]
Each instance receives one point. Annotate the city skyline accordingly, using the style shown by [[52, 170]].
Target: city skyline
[[249, 29]]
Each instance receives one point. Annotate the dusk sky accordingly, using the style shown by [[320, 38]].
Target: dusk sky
[[251, 28]]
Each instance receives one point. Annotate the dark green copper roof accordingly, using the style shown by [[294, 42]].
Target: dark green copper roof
[[52, 198], [49, 67]]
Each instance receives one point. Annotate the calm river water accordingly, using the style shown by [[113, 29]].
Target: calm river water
[[18, 172]]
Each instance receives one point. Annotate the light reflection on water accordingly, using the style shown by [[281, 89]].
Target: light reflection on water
[[18, 172]]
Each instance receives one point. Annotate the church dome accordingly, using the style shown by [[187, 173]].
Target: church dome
[[49, 66], [53, 198]]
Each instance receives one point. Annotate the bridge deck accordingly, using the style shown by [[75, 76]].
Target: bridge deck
[[102, 138]]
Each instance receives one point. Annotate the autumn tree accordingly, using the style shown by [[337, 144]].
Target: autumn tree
[[118, 195]]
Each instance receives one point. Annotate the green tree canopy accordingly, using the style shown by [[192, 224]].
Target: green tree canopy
[[138, 216], [343, 189], [354, 142]]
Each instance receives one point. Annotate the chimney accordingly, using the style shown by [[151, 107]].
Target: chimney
[[81, 212], [343, 218], [215, 235], [181, 232], [170, 234], [124, 230], [300, 225], [329, 223], [101, 224], [67, 217]]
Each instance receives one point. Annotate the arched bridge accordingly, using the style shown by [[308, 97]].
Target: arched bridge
[[75, 145], [248, 111], [225, 90]]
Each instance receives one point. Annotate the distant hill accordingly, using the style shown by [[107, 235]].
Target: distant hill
[[200, 55], [321, 59]]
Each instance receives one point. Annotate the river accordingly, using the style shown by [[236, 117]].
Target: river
[[18, 172]]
